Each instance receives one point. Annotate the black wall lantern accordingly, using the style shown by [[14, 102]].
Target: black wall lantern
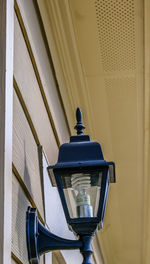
[[82, 177]]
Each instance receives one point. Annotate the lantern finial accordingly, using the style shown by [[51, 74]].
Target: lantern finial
[[79, 126]]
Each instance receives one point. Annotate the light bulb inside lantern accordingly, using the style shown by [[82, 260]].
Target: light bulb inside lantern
[[81, 183]]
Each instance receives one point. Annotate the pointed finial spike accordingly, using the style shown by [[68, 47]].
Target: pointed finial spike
[[79, 126], [79, 115]]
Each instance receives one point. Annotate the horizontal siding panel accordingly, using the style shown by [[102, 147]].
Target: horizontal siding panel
[[57, 258], [25, 155], [13, 262], [27, 82], [19, 205], [29, 15]]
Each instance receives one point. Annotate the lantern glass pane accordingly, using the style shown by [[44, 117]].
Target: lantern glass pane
[[82, 193]]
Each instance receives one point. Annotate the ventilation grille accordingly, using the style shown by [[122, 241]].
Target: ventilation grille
[[116, 32]]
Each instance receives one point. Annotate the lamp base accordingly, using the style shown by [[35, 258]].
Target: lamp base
[[86, 249]]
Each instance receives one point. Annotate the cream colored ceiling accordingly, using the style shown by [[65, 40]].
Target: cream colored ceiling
[[100, 51]]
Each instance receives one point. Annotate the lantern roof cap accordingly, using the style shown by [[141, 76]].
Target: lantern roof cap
[[81, 152]]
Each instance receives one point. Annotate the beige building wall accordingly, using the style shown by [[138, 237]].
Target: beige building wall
[[39, 124]]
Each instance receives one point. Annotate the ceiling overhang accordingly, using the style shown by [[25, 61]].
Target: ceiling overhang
[[100, 51]]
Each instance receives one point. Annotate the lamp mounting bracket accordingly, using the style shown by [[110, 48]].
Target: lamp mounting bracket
[[40, 240]]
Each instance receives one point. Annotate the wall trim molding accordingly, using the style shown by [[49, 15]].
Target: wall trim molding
[[6, 113], [50, 59], [146, 183], [62, 41]]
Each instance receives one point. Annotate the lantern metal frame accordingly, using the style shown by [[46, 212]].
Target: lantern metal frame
[[84, 225], [79, 155]]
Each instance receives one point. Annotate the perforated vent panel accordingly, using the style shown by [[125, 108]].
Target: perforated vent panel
[[116, 33]]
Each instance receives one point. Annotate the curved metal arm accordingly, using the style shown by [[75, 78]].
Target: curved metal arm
[[40, 240]]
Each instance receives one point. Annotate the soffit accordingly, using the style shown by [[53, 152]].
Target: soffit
[[109, 36], [104, 61]]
